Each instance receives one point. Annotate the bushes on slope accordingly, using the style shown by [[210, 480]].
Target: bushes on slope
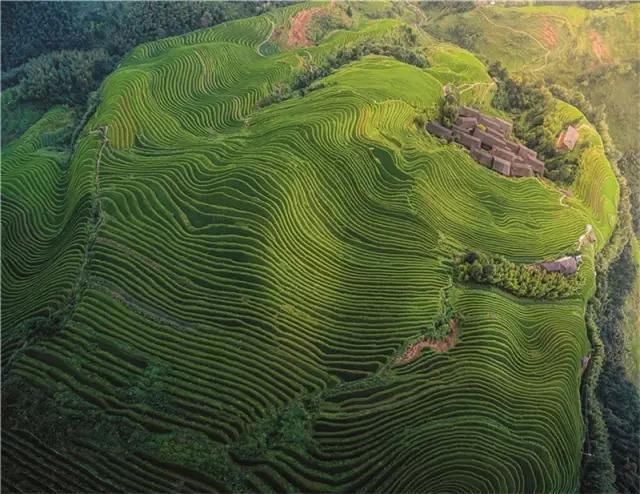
[[528, 103], [519, 279], [65, 76]]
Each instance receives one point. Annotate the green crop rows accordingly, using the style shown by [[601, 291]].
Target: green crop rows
[[255, 273]]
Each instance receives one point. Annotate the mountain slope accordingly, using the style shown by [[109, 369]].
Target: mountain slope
[[255, 272]]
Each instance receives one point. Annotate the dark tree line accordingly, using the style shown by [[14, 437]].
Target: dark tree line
[[630, 167], [613, 440], [619, 396], [58, 52]]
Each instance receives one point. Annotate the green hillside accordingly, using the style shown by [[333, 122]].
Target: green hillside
[[595, 51], [212, 293]]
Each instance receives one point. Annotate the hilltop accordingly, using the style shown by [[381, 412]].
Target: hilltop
[[215, 290]]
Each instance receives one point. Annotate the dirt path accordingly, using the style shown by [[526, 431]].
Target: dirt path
[[439, 346], [102, 133], [259, 47], [299, 23], [524, 33], [587, 238], [471, 86]]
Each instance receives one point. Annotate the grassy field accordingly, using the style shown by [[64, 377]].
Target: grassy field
[[595, 51], [242, 280]]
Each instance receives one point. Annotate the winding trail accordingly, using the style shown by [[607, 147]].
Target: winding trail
[[528, 35], [259, 47]]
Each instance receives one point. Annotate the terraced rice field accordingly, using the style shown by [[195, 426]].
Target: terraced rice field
[[254, 274]]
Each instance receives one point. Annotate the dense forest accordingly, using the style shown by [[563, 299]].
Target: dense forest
[[83, 42]]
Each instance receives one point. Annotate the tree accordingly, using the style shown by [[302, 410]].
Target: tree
[[450, 107], [476, 271]]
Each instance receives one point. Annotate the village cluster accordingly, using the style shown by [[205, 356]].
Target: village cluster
[[488, 140]]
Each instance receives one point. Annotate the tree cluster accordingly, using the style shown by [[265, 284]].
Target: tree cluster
[[288, 427], [439, 328], [66, 76], [519, 279], [30, 29]]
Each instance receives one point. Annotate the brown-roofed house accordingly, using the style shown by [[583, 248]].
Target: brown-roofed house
[[503, 153], [482, 157], [568, 138], [520, 170], [495, 132], [525, 152], [504, 126], [439, 130], [467, 123], [512, 146], [502, 166], [536, 165], [469, 141], [501, 127], [566, 265], [488, 139], [465, 111]]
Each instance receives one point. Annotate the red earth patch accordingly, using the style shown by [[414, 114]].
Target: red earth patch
[[299, 24], [414, 351], [549, 37], [597, 46]]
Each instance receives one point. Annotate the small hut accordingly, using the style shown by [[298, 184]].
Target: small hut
[[565, 265], [568, 138]]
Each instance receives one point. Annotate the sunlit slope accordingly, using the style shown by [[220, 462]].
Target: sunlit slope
[[557, 41], [594, 51], [261, 269]]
